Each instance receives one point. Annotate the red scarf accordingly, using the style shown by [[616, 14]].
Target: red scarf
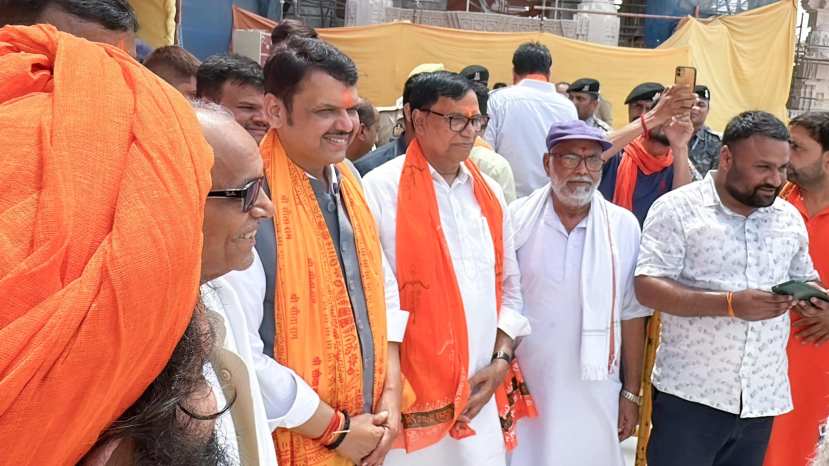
[[635, 159]]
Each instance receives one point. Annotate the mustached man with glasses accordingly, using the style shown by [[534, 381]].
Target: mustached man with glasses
[[583, 361], [446, 232], [321, 299], [649, 166]]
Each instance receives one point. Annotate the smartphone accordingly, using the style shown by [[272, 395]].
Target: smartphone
[[800, 290], [686, 76]]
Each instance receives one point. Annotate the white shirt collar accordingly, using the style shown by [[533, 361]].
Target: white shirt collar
[[529, 82], [711, 197], [464, 176], [332, 178], [552, 219]]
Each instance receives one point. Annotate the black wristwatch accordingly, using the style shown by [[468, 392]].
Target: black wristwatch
[[502, 355]]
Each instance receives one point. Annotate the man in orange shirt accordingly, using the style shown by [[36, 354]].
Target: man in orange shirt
[[795, 435]]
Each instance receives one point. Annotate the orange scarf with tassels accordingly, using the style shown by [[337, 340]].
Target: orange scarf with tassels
[[635, 159], [435, 354], [316, 335]]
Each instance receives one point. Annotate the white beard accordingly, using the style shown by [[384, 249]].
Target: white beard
[[578, 197]]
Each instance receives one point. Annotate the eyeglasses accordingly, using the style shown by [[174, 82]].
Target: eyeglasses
[[458, 123], [593, 163], [249, 193]]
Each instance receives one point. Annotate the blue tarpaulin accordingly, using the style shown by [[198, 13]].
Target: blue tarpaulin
[[206, 25]]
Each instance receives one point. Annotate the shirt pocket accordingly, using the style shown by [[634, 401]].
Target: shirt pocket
[[483, 253], [779, 249], [710, 253]]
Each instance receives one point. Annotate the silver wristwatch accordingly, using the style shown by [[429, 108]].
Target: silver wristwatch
[[631, 397]]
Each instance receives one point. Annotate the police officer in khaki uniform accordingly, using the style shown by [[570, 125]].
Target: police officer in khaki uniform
[[704, 146], [584, 93]]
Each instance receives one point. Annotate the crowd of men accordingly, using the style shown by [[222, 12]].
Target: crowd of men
[[212, 262]]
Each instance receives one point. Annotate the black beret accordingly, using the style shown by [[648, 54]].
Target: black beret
[[644, 91]]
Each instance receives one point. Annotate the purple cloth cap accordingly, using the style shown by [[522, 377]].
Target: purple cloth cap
[[576, 129]]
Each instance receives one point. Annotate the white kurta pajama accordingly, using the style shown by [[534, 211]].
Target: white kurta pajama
[[473, 258], [577, 417]]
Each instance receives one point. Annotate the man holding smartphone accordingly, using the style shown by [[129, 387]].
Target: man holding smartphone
[[795, 435], [710, 253]]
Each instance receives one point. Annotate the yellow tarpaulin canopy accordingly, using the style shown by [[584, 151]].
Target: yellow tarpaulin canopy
[[385, 54], [156, 20], [745, 59]]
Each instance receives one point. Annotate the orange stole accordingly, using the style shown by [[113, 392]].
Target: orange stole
[[316, 335], [794, 437], [434, 355], [636, 158]]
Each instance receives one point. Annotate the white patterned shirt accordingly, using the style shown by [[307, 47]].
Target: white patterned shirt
[[726, 363]]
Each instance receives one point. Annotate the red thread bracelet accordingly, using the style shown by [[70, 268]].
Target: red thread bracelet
[[645, 131]]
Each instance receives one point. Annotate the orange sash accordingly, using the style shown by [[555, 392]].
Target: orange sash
[[434, 354], [635, 159], [316, 335], [103, 180]]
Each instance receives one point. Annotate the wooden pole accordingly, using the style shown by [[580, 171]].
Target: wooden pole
[[646, 410]]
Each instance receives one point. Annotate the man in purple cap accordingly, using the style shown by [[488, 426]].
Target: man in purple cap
[[574, 245]]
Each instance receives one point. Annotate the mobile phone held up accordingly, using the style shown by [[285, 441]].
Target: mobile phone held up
[[685, 76], [800, 290]]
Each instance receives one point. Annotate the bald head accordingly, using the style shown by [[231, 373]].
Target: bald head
[[236, 155], [230, 226]]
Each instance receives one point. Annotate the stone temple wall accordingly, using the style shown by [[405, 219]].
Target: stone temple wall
[[810, 87]]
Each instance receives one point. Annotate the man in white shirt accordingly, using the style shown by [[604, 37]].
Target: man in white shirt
[[577, 254], [711, 252], [520, 116], [445, 230]]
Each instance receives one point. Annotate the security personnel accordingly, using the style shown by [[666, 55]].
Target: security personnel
[[476, 73], [641, 98], [704, 146], [584, 93]]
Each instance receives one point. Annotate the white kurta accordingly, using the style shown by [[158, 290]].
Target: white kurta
[[577, 421], [473, 259], [234, 365]]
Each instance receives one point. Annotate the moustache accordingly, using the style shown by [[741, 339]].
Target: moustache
[[767, 186]]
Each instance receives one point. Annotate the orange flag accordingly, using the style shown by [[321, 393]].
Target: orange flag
[[103, 179]]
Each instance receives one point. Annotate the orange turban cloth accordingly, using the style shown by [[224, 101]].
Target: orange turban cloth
[[103, 177]]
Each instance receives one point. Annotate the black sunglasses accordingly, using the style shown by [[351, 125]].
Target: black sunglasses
[[249, 193]]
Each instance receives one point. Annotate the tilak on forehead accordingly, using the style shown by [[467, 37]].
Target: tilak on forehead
[[349, 98]]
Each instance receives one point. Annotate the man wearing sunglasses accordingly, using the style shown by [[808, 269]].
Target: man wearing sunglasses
[[443, 227], [320, 301], [573, 244]]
